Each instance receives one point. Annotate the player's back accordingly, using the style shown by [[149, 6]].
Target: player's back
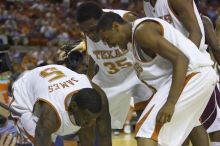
[[52, 84]]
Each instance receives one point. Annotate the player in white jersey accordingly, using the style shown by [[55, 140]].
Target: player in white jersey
[[212, 123], [218, 29], [211, 115], [183, 77], [116, 75], [53, 100], [183, 15]]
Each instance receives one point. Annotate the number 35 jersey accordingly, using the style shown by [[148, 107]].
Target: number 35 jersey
[[51, 84], [117, 77], [115, 65]]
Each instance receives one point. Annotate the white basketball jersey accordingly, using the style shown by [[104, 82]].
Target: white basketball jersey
[[163, 11], [112, 62], [159, 70], [51, 84], [119, 12]]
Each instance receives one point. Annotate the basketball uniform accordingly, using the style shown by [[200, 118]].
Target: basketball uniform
[[210, 118], [163, 10], [116, 76], [199, 85], [51, 84]]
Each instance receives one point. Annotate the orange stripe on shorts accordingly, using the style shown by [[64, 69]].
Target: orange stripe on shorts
[[140, 123], [159, 126]]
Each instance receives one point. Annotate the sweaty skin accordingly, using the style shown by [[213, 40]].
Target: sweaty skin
[[47, 115], [185, 13]]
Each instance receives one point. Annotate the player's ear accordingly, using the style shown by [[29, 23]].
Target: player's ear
[[72, 106], [115, 26]]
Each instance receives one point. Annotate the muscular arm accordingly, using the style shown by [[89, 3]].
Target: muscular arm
[[87, 136], [103, 122], [211, 38], [185, 13], [91, 68], [47, 124], [149, 35], [218, 30]]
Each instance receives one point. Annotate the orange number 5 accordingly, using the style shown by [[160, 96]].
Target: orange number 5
[[53, 73]]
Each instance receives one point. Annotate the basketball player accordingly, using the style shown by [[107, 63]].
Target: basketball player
[[211, 115], [116, 75], [184, 16], [54, 100], [218, 29], [184, 79], [211, 118]]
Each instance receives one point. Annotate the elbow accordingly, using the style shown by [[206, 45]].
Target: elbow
[[197, 33], [185, 61], [182, 60]]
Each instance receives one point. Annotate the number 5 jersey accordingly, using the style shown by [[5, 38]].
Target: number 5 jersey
[[52, 84]]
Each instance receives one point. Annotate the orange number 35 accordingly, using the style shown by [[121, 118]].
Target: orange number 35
[[114, 67]]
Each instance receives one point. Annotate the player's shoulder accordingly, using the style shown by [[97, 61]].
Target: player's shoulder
[[117, 11], [101, 92], [147, 26], [206, 20]]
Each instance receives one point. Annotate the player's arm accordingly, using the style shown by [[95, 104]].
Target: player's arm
[[218, 30], [47, 124], [103, 122], [91, 68], [86, 136], [185, 13], [211, 38], [149, 35]]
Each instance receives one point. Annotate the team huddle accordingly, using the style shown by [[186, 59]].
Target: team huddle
[[167, 62]]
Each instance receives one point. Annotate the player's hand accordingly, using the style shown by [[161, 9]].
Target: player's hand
[[165, 114], [7, 140]]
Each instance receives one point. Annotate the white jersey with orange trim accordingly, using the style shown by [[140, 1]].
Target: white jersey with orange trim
[[159, 69], [163, 10], [119, 12], [51, 84], [113, 62], [116, 76], [199, 85]]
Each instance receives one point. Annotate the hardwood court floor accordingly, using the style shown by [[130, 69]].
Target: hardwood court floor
[[124, 140]]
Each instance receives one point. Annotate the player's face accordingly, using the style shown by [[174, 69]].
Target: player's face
[[89, 28], [82, 68], [84, 117], [113, 38]]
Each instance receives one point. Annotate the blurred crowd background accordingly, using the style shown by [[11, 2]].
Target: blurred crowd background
[[35, 28]]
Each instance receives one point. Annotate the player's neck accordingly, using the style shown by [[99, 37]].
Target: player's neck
[[153, 2]]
